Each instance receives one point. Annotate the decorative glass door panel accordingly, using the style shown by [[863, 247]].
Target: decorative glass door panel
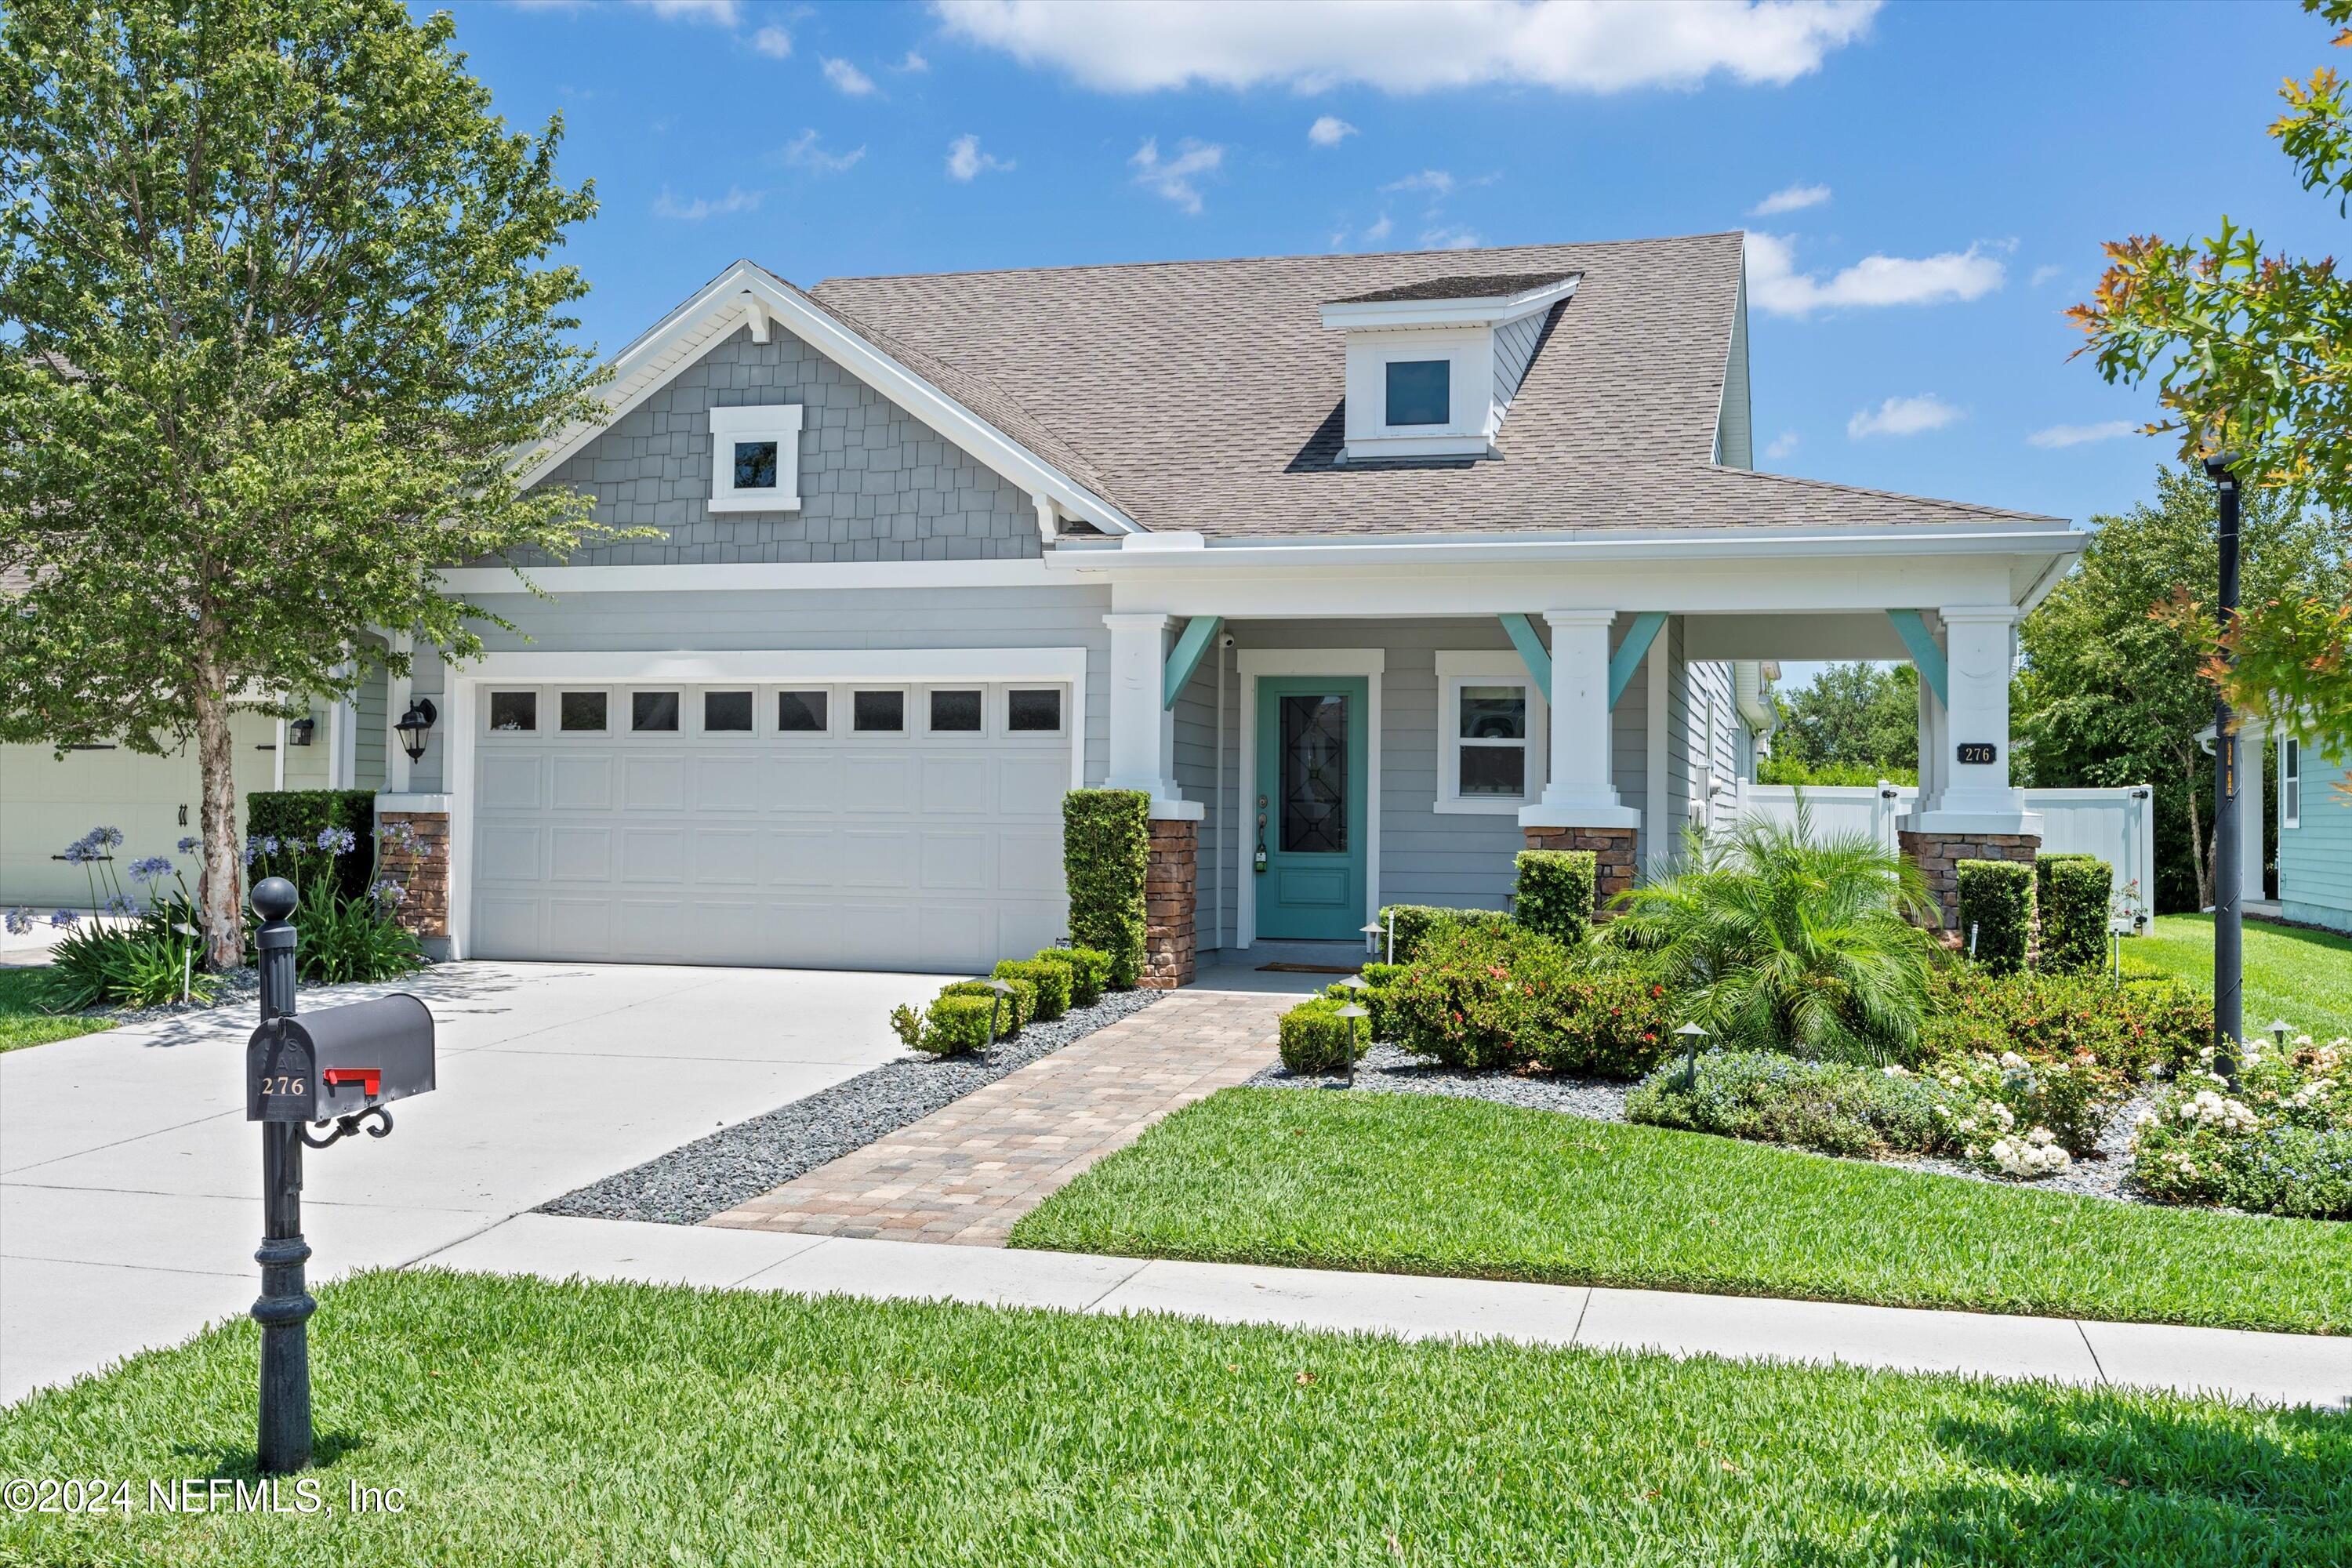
[[1310, 816], [1315, 773]]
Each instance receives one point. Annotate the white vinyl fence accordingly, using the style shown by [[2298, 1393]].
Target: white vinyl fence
[[2118, 826]]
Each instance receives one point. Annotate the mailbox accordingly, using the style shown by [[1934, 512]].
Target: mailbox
[[338, 1062]]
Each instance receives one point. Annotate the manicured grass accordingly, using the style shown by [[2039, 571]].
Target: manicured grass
[[534, 1422], [2302, 977], [25, 1018], [1420, 1185]]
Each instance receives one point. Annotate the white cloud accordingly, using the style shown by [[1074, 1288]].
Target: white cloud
[[1413, 45], [1902, 417], [717, 13], [802, 152], [2075, 435], [700, 207], [1782, 445], [914, 62], [1789, 199], [849, 78], [2044, 273], [773, 42], [1380, 230], [1775, 284], [1436, 181], [1172, 178], [1448, 239], [965, 160], [1329, 131]]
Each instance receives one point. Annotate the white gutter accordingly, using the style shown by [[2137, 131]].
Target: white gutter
[[1156, 552]]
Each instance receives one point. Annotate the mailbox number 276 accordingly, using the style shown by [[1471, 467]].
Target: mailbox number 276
[[284, 1083]]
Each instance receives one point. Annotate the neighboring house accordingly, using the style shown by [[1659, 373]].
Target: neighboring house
[[1387, 566], [2315, 833]]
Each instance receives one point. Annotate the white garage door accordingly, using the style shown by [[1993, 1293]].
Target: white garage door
[[883, 826]]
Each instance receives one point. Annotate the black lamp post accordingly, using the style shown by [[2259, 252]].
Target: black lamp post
[[2229, 919], [415, 725]]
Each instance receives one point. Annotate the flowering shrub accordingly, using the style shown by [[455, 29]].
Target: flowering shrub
[[1770, 1097], [154, 957], [1499, 996], [2278, 1141], [2070, 1098], [2126, 1033]]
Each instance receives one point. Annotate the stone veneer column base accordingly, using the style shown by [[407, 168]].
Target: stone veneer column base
[[422, 869], [1612, 854], [1170, 900], [1938, 857]]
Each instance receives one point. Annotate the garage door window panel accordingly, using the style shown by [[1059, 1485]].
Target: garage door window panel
[[955, 711], [803, 711], [878, 711], [653, 712], [514, 712], [727, 712], [583, 712], [1034, 711]]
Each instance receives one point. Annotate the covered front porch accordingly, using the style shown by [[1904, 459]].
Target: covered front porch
[[1318, 742]]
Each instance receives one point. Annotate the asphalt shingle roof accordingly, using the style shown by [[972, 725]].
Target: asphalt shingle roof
[[1208, 394], [1477, 286]]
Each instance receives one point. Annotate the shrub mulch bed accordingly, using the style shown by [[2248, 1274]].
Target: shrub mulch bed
[[734, 1165], [1385, 1069]]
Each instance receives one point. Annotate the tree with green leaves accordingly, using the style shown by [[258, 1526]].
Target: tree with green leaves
[[2112, 695], [282, 312], [1855, 721], [2252, 353]]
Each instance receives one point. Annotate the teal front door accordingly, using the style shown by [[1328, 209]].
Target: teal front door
[[1310, 807]]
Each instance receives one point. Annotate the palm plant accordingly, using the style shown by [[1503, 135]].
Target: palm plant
[[1780, 941]]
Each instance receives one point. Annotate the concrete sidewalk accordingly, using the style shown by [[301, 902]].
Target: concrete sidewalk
[[2294, 1369]]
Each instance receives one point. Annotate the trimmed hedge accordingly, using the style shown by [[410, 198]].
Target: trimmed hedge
[[1105, 851], [1316, 1039], [1500, 996], [1052, 981], [949, 1025], [293, 816], [1415, 922], [1014, 1011], [1997, 905], [2072, 897], [1553, 893], [2127, 1030], [1089, 971], [1771, 1098]]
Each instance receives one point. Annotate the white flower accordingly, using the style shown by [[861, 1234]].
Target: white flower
[[2006, 1118], [2012, 1062], [1893, 1071]]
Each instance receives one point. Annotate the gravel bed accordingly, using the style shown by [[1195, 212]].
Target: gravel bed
[[238, 987], [712, 1174], [1385, 1069]]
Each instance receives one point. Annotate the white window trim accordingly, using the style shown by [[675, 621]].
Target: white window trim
[[1001, 699], [780, 423], [624, 722], [561, 692], [908, 716], [986, 731], [774, 697], [490, 695], [2290, 783], [699, 697], [1455, 670]]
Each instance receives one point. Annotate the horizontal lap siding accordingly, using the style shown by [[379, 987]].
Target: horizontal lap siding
[[2314, 860]]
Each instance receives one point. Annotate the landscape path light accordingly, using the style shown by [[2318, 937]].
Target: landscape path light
[[2280, 1029], [1001, 991], [1351, 1011], [1371, 929], [1691, 1035]]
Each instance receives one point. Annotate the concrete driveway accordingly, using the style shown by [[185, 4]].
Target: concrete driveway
[[129, 1180]]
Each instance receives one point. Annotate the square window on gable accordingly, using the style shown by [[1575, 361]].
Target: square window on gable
[[755, 458], [1421, 392]]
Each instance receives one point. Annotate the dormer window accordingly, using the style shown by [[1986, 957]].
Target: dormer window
[[1419, 391], [755, 458], [1432, 367]]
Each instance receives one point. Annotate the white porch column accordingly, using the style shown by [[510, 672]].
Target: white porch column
[[1142, 740], [397, 690], [1580, 790], [1934, 739], [343, 744], [1976, 797]]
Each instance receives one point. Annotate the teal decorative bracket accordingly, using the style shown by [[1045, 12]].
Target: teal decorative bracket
[[1531, 651], [1628, 657], [1913, 630], [1198, 633]]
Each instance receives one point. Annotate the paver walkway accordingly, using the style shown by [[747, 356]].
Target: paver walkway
[[2294, 1369], [966, 1171]]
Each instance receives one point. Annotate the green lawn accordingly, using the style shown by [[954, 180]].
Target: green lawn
[[534, 1422], [1420, 1185], [25, 1019], [2302, 977]]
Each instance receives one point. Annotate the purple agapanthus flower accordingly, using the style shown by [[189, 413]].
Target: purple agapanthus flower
[[65, 919], [269, 845], [388, 893], [19, 921], [82, 851], [112, 838], [190, 845], [121, 904], [152, 866], [337, 841]]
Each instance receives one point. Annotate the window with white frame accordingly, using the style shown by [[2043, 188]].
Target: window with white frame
[[2290, 785], [755, 458], [1491, 729]]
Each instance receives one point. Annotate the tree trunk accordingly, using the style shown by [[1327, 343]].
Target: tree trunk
[[2197, 855], [224, 904]]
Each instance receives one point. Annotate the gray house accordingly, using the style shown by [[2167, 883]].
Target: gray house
[[1372, 570]]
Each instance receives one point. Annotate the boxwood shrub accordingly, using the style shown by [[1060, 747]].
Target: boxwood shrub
[[1771, 1098], [1106, 849], [1316, 1039], [1414, 924], [1553, 893], [294, 818], [2126, 1030], [1089, 971], [1997, 907], [1052, 981], [2072, 896], [950, 1024], [1014, 1011]]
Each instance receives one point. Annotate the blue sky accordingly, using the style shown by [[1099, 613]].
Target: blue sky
[[1945, 175]]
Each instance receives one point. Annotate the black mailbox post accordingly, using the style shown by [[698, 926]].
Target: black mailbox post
[[343, 1066]]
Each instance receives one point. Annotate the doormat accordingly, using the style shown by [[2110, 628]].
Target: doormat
[[1306, 969]]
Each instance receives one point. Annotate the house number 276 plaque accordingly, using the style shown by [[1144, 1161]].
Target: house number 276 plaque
[[1979, 752]]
